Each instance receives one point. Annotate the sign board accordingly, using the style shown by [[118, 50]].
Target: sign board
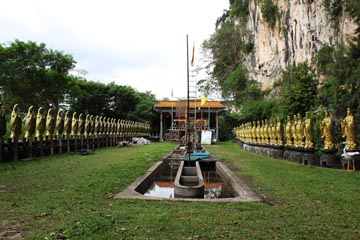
[[206, 136]]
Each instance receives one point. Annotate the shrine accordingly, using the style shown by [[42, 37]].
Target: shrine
[[203, 115]]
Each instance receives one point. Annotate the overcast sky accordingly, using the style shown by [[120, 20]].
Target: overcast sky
[[140, 43]]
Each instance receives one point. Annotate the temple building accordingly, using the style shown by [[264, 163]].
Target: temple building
[[203, 115]]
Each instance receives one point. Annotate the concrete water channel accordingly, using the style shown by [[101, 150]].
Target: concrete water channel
[[160, 182]]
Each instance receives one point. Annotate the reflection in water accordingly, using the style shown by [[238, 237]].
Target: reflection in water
[[157, 191]]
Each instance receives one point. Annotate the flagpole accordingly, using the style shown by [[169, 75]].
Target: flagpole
[[188, 97]]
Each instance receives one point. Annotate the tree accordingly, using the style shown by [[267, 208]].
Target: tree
[[112, 100], [31, 74], [299, 89], [223, 51]]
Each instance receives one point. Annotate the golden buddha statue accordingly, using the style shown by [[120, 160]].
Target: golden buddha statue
[[81, 125], [326, 131], [293, 131], [74, 125], [299, 131], [348, 130], [30, 122], [67, 124], [279, 133], [308, 132], [288, 134], [50, 123], [59, 122], [40, 123], [15, 123]]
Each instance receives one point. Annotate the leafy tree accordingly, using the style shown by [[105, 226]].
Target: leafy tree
[[144, 110], [89, 97], [112, 100], [341, 70], [259, 109], [227, 122], [239, 9], [299, 89], [224, 47], [31, 74], [96, 98]]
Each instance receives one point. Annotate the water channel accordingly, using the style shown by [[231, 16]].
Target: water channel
[[163, 184]]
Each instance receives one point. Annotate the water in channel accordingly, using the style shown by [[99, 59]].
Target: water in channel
[[163, 184]]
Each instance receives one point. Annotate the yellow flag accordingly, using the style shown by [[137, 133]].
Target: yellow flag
[[203, 100], [193, 55]]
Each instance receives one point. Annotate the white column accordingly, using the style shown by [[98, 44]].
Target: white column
[[161, 126], [217, 126]]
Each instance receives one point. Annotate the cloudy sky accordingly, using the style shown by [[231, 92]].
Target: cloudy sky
[[140, 43]]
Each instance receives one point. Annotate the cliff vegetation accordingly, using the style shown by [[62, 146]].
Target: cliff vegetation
[[276, 58]]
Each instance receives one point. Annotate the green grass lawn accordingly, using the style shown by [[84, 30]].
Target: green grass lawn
[[71, 197]]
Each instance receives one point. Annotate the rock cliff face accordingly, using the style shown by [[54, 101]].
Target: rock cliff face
[[303, 28]]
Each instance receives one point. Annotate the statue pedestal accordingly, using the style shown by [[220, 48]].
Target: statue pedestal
[[293, 154], [310, 158], [277, 152], [329, 159]]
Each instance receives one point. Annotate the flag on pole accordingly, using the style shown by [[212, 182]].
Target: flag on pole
[[203, 100], [193, 55], [172, 93]]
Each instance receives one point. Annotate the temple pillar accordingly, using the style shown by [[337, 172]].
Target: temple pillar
[[217, 126], [161, 126]]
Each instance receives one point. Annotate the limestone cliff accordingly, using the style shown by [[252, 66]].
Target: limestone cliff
[[302, 28]]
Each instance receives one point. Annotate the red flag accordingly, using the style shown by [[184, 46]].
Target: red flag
[[172, 93]]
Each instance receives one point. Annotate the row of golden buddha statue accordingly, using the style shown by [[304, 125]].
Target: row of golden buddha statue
[[298, 132], [42, 123]]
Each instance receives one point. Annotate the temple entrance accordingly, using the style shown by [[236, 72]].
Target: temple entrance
[[202, 117]]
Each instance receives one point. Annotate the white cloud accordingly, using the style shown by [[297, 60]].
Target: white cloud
[[138, 43]]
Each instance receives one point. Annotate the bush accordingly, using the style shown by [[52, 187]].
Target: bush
[[269, 12]]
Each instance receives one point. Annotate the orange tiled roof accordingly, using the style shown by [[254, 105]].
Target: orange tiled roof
[[169, 104]]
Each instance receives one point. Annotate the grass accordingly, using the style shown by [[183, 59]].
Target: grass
[[71, 197]]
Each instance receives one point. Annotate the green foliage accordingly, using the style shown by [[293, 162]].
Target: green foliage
[[235, 81], [325, 59], [112, 100], [223, 18], [227, 122], [341, 72], [328, 93], [269, 11], [144, 110], [31, 74], [254, 110], [299, 89], [353, 8], [224, 48], [247, 47], [334, 9], [239, 9]]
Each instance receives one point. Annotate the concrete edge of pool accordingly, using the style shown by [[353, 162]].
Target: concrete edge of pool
[[242, 193]]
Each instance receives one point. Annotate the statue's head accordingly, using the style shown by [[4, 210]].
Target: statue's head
[[348, 110], [40, 111], [16, 108]]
